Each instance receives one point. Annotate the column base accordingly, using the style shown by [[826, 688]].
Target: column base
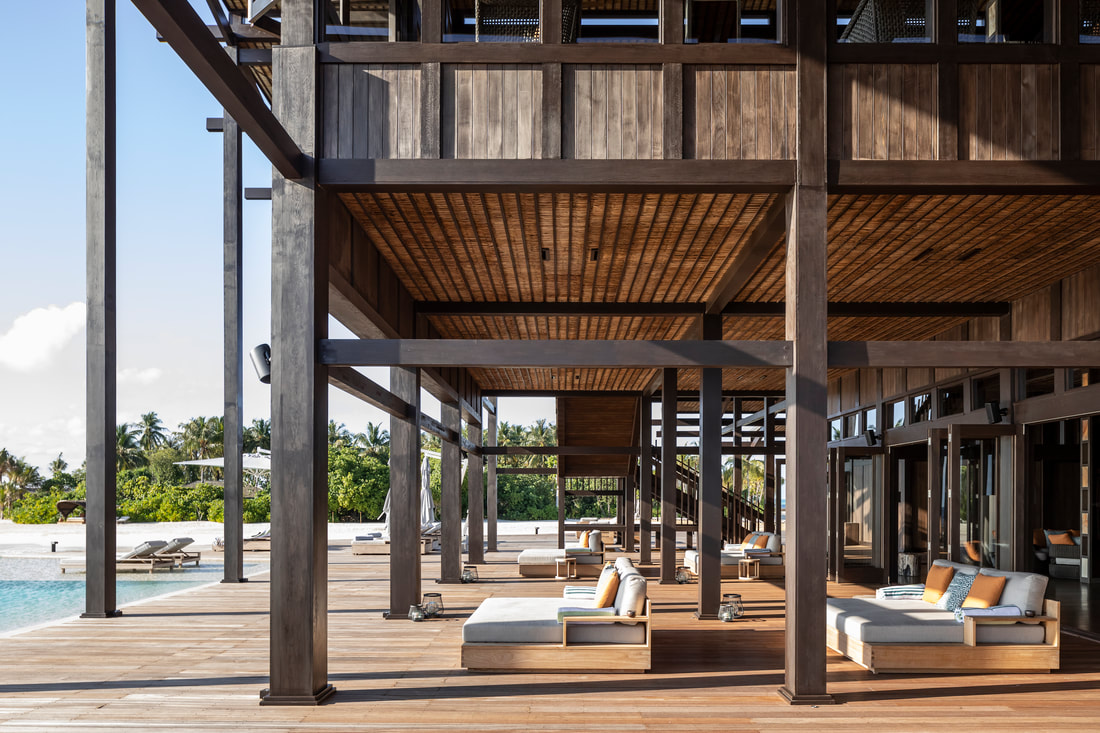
[[794, 699], [449, 581], [238, 580], [317, 698], [668, 581], [705, 616], [105, 614]]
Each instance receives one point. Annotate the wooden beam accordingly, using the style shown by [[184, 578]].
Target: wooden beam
[[668, 478], [527, 471], [973, 354], [498, 308], [188, 36], [369, 391], [709, 512], [550, 22], [404, 515], [730, 176], [964, 176], [221, 22], [551, 107], [475, 493], [559, 450], [101, 356], [897, 309], [472, 353], [568, 53], [450, 561], [645, 479], [233, 349], [672, 80], [762, 242], [491, 481], [431, 90]]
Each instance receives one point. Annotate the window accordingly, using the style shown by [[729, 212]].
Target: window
[[1001, 21], [851, 425], [369, 21], [951, 400], [601, 23], [1090, 22], [1084, 378], [835, 427], [986, 389], [1038, 382], [922, 407], [895, 414], [882, 21], [870, 419], [724, 21]]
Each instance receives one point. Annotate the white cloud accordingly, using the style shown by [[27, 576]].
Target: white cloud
[[139, 376], [36, 337]]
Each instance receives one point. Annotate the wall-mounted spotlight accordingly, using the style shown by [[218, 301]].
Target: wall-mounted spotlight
[[261, 361], [870, 437], [994, 412]]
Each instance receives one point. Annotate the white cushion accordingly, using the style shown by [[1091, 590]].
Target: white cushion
[[1025, 590], [915, 622], [534, 621]]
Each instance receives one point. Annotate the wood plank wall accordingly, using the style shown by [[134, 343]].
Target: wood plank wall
[[1008, 112], [739, 112], [1090, 111], [883, 111], [1081, 305], [492, 111], [371, 111], [612, 112]]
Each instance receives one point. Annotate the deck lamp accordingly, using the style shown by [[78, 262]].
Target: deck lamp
[[416, 613], [994, 412], [870, 437], [261, 361], [683, 575], [469, 574], [432, 604], [731, 607]]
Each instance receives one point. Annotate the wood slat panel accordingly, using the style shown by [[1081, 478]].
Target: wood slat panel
[[883, 111], [371, 111], [1081, 305], [736, 112], [1090, 112], [1008, 112], [597, 421], [492, 111], [612, 112]]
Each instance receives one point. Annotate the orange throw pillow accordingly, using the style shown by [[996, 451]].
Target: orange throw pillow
[[985, 591], [584, 539], [1062, 538], [749, 538], [939, 577], [761, 542], [606, 590]]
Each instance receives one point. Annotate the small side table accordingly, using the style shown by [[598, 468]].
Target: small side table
[[748, 568], [565, 568]]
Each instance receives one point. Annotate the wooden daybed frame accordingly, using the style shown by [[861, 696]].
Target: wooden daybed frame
[[564, 657], [969, 656]]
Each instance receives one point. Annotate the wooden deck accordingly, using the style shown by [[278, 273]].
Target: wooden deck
[[199, 659]]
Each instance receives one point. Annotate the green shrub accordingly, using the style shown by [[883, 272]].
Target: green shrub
[[39, 507], [258, 508]]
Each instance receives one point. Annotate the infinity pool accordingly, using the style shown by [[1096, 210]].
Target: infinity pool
[[34, 591]]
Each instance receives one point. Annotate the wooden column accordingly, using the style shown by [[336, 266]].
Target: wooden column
[[668, 477], [947, 81], [807, 428], [99, 582], [769, 468], [299, 386], [738, 475], [404, 517], [233, 348], [630, 489], [709, 514], [645, 481], [954, 489], [475, 493], [935, 492], [561, 509], [450, 561], [491, 479]]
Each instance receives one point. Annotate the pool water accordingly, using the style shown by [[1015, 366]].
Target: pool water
[[34, 591]]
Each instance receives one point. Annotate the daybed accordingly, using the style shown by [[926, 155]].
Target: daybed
[[572, 633], [763, 546], [369, 545], [899, 631], [542, 562]]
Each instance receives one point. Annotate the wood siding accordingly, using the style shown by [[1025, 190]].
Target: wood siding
[[492, 111], [371, 111], [1008, 112], [1081, 305], [882, 111], [1090, 112], [612, 112], [739, 112]]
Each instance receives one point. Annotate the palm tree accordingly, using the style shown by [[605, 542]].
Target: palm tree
[[257, 436], [7, 461], [375, 439], [21, 477], [338, 435], [58, 465], [541, 434], [128, 453], [152, 433], [202, 438]]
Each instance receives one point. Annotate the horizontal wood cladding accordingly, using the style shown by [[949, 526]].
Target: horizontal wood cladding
[[739, 112], [371, 111], [946, 248], [491, 111], [564, 380], [883, 111], [601, 328], [481, 247], [596, 421], [1081, 305], [1090, 111], [1008, 112], [612, 111], [1031, 317]]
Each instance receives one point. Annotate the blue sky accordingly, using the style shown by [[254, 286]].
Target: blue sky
[[169, 243]]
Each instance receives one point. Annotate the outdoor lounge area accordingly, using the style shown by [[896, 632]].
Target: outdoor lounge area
[[397, 674]]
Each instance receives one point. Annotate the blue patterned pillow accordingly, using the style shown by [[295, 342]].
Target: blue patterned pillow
[[957, 591]]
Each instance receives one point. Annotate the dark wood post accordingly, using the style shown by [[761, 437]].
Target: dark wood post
[[99, 596], [668, 477], [645, 481], [233, 352], [807, 429], [709, 513], [299, 385], [450, 561], [769, 468], [630, 488], [404, 516], [935, 492], [738, 476], [561, 508], [954, 489], [475, 493], [491, 479]]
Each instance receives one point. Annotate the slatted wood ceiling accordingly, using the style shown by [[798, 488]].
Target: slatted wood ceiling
[[596, 422]]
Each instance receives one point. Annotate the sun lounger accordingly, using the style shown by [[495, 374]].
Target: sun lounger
[[174, 550], [142, 557]]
